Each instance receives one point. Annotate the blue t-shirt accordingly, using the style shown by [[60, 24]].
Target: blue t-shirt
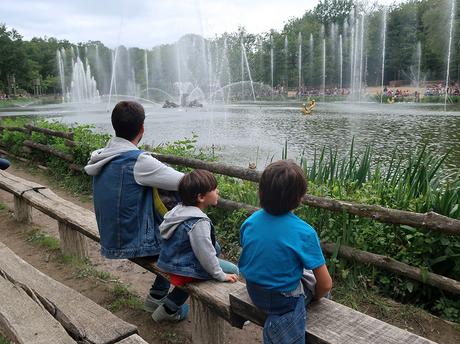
[[276, 249]]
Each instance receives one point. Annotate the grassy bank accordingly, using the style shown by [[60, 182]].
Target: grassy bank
[[413, 183]]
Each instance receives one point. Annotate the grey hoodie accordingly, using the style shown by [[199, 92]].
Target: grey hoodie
[[148, 171], [199, 236]]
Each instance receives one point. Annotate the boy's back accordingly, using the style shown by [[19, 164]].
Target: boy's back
[[276, 250]]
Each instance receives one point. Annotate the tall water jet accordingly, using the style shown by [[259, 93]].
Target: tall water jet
[[146, 70], [323, 83], [271, 61], [340, 62], [286, 81], [249, 70], [361, 58], [60, 54], [300, 60], [384, 34], [311, 46], [242, 69], [83, 86], [113, 76], [449, 51], [419, 63]]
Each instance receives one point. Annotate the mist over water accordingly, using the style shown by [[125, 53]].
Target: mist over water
[[245, 133]]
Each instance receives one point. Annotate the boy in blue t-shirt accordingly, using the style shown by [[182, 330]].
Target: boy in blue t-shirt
[[277, 247]]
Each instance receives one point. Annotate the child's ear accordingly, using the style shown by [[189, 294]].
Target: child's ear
[[200, 198]]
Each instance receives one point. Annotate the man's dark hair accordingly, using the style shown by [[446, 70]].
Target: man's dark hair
[[127, 119], [194, 183], [281, 187]]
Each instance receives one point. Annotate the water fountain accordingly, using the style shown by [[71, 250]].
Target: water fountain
[[384, 33], [311, 51], [146, 69], [340, 62], [83, 87], [286, 81], [271, 62], [299, 63], [452, 13], [419, 62]]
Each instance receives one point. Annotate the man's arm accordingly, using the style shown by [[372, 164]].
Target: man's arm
[[148, 171]]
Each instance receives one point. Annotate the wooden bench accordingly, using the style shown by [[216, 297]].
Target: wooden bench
[[212, 302], [34, 308]]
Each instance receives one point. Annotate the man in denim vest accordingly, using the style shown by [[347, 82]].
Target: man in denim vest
[[123, 177]]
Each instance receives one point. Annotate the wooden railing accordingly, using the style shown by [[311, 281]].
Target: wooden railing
[[213, 302], [425, 221]]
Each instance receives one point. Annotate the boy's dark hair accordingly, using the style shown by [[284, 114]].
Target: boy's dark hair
[[194, 183], [127, 119], [281, 187]]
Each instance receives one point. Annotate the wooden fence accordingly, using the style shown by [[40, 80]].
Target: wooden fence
[[424, 221]]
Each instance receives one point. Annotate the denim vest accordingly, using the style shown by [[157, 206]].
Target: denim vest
[[177, 255], [128, 226]]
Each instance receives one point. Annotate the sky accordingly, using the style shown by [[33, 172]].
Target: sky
[[146, 23]]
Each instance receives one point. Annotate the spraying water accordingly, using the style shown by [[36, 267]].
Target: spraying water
[[449, 51], [300, 59], [271, 61], [60, 59], [146, 69], [340, 62], [112, 78], [384, 31], [249, 71], [286, 61], [242, 69], [311, 59], [323, 84], [419, 62]]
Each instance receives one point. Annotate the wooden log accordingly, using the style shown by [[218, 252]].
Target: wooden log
[[49, 132], [207, 326], [20, 129], [331, 322], [83, 319], [392, 265], [48, 149], [22, 210], [220, 168], [72, 243], [24, 320], [430, 220]]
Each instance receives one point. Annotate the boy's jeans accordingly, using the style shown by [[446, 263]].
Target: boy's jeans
[[286, 315]]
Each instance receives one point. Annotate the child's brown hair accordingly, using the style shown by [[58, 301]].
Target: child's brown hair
[[195, 183], [281, 187]]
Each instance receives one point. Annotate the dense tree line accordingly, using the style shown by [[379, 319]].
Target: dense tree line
[[416, 30]]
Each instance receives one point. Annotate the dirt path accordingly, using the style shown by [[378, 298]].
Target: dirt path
[[139, 280]]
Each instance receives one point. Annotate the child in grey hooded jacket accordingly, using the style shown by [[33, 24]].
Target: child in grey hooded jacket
[[189, 249]]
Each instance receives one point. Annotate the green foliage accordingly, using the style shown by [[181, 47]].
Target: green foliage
[[3, 340], [39, 238]]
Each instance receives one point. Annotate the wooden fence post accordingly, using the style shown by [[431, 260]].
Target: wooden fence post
[[72, 242], [207, 326], [22, 210]]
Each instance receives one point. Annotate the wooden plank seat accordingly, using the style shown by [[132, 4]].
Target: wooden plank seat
[[331, 322], [58, 308], [214, 302]]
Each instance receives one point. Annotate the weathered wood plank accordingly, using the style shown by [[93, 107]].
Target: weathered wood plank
[[22, 210], [134, 339], [49, 150], [24, 320], [331, 322], [72, 243], [82, 318], [207, 326]]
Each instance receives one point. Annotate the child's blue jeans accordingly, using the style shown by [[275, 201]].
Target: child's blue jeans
[[286, 315]]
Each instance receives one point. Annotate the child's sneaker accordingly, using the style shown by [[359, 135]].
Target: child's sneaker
[[151, 304], [161, 315]]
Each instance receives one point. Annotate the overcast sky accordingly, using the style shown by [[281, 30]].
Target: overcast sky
[[146, 23]]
